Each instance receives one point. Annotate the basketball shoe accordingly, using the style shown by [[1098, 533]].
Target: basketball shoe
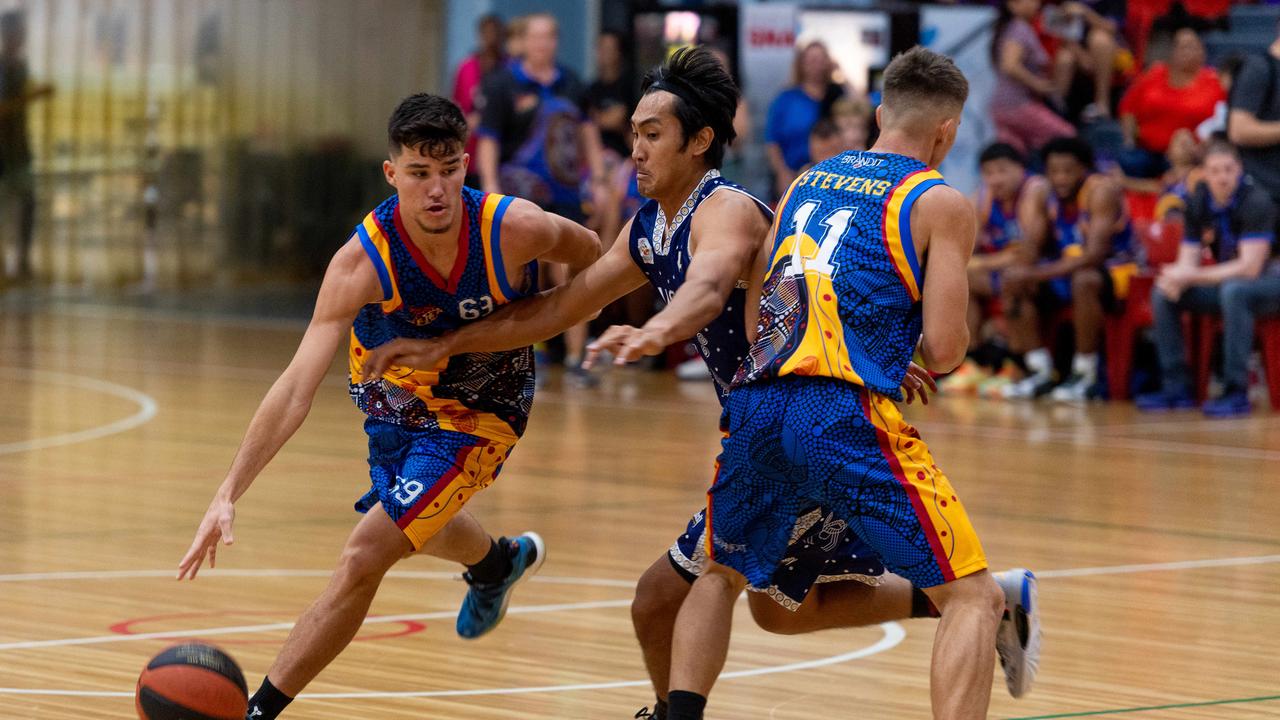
[[486, 603], [1018, 638]]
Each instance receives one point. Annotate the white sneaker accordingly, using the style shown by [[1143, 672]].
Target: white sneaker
[[1018, 638], [1027, 388], [1074, 390]]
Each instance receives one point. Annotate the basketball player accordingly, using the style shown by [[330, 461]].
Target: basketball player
[[700, 262], [1081, 243], [431, 258], [870, 248]]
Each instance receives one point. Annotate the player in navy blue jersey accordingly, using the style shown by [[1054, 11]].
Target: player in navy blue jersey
[[696, 241]]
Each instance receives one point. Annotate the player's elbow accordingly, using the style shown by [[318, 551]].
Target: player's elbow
[[943, 352]]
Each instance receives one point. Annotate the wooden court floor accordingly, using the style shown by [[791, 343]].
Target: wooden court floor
[[1155, 539]]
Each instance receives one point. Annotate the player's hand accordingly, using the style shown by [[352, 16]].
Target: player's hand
[[215, 525], [626, 343], [1016, 278], [916, 383], [406, 352]]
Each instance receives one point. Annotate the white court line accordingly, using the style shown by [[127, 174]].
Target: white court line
[[146, 410], [270, 573], [893, 635], [270, 627], [1160, 567]]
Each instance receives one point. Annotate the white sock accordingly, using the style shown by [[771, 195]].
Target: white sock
[[1040, 363], [1086, 366]]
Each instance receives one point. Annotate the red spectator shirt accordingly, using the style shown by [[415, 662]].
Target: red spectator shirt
[[1161, 109]]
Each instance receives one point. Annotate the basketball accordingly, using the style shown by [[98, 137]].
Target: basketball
[[189, 681]]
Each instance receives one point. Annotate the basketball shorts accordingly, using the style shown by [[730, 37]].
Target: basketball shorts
[[423, 477], [820, 550], [1115, 286], [798, 442]]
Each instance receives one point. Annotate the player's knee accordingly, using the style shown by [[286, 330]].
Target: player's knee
[[361, 566], [657, 600], [1087, 280]]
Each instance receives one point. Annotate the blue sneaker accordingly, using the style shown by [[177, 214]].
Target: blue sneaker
[[1165, 400], [486, 603], [1232, 404]]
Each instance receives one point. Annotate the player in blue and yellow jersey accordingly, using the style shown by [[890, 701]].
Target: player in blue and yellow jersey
[[1081, 254], [869, 250], [700, 260], [1003, 204], [430, 259]]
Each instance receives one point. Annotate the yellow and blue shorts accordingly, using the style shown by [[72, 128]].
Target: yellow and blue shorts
[[798, 442], [423, 477]]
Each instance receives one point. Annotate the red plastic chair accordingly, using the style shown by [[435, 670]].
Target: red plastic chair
[[1205, 332], [1161, 241]]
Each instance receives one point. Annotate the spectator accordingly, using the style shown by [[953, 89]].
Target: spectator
[[536, 143], [1004, 204], [793, 113], [1253, 123], [612, 96], [491, 36], [1018, 105], [1179, 182], [1089, 32], [1233, 221], [853, 117], [1168, 97], [825, 141], [17, 184], [1078, 242]]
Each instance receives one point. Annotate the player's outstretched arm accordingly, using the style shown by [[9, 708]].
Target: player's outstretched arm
[[349, 284], [597, 281], [728, 233], [947, 222]]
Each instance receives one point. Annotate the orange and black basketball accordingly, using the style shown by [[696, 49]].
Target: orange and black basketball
[[193, 681]]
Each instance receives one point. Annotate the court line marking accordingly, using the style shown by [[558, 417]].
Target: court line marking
[[147, 408], [893, 635], [893, 632], [1175, 706]]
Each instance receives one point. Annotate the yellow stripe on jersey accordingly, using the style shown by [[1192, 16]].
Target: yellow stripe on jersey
[[382, 244], [486, 240], [895, 223]]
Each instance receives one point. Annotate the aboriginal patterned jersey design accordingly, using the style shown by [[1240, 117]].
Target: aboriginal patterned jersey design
[[660, 248], [483, 394], [842, 291], [1070, 218]]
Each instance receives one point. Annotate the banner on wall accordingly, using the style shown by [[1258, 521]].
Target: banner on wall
[[964, 33]]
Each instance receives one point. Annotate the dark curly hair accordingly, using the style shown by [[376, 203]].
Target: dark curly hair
[[427, 123]]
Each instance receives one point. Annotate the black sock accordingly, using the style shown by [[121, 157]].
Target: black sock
[[922, 606], [495, 565], [685, 705], [267, 703]]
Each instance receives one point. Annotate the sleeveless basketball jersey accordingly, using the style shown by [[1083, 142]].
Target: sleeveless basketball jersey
[[660, 248], [842, 292], [483, 394], [1070, 218]]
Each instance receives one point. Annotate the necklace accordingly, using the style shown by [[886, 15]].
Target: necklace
[[662, 232]]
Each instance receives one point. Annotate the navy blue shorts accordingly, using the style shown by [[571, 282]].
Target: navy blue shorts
[[796, 443], [822, 550]]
